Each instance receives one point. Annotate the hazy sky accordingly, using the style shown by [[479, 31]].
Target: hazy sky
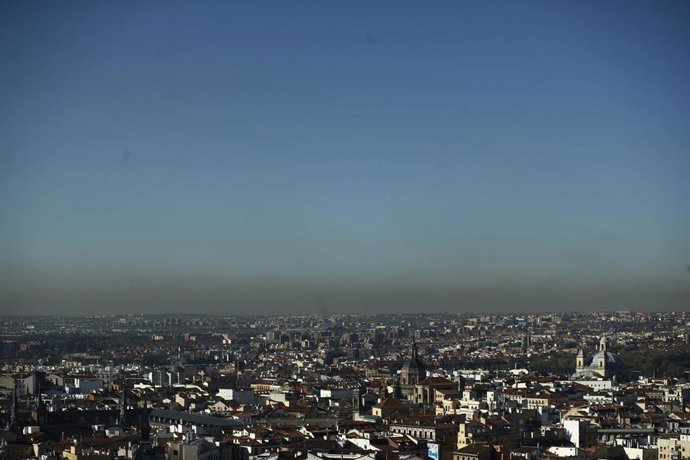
[[298, 156]]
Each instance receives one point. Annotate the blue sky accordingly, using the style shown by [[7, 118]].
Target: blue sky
[[289, 157]]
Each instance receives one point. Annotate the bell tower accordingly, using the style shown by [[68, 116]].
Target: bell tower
[[604, 344], [580, 360]]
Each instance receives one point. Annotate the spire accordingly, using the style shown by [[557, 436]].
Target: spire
[[39, 415], [413, 351], [39, 400], [123, 405], [13, 425], [13, 413]]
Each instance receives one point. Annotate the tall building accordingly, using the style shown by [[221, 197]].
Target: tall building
[[413, 372]]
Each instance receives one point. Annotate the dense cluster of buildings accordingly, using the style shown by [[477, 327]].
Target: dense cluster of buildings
[[389, 387]]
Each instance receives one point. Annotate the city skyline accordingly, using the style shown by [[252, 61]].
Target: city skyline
[[228, 158]]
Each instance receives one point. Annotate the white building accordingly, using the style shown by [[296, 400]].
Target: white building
[[241, 396]]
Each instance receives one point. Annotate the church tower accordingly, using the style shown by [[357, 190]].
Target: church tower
[[604, 344], [413, 372], [40, 414], [605, 363], [13, 424], [580, 360], [145, 449], [122, 419]]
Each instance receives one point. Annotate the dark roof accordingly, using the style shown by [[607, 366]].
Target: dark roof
[[390, 403], [610, 452], [474, 449], [414, 363], [434, 381]]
